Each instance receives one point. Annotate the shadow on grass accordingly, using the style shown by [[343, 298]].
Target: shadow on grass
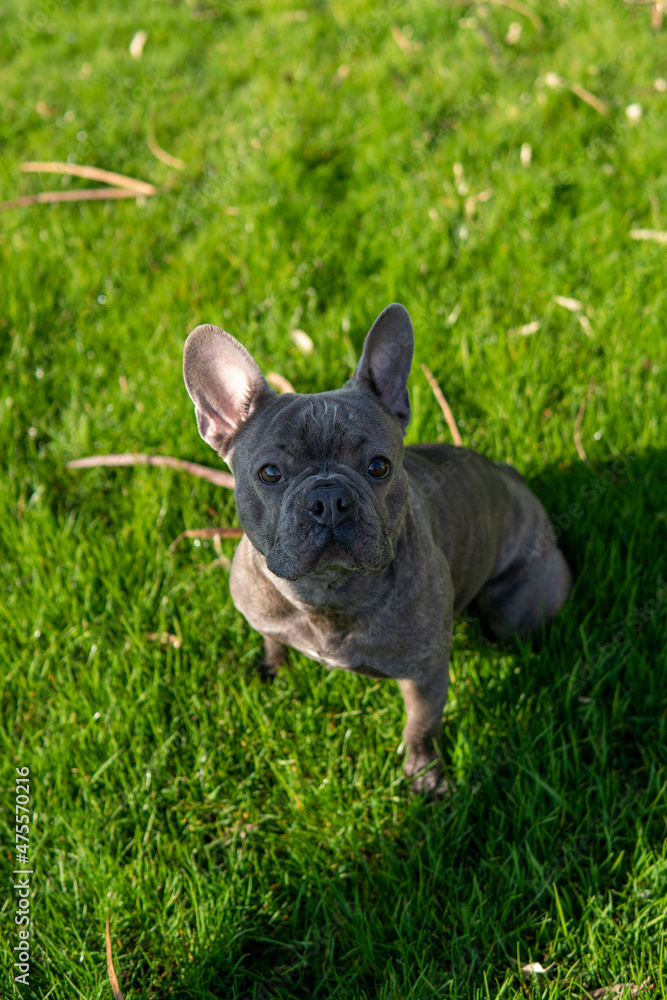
[[558, 746]]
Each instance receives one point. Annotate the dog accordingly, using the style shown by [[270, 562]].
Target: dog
[[359, 551]]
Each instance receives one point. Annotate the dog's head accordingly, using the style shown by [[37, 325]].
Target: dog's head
[[320, 483]]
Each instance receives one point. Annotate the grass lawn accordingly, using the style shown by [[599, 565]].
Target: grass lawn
[[253, 840]]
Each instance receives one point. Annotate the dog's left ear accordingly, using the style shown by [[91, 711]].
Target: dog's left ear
[[225, 385], [386, 361]]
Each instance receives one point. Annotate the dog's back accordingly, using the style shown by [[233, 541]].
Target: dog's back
[[491, 529]]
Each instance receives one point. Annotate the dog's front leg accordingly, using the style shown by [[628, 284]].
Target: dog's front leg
[[275, 654], [424, 702]]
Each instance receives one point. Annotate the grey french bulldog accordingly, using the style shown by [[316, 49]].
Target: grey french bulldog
[[359, 551]]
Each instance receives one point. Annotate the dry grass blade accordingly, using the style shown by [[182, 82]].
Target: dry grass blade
[[302, 340], [572, 305], [579, 421], [577, 308], [520, 8], [206, 533], [534, 969], [160, 154], [405, 44], [649, 234], [584, 322], [619, 988], [91, 174], [490, 42], [113, 978], [590, 99], [527, 330], [165, 639], [86, 194], [136, 47], [215, 476], [444, 406], [554, 80], [279, 382]]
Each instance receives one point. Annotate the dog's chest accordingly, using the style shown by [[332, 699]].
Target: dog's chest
[[345, 650], [390, 638], [381, 648]]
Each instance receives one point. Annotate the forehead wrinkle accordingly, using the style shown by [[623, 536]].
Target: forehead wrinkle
[[321, 427]]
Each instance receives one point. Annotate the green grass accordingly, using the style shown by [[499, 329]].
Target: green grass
[[253, 841]]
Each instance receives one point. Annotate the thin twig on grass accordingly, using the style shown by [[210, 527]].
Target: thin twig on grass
[[216, 476], [86, 194], [161, 154], [206, 533], [579, 421], [123, 186], [590, 99], [91, 174], [554, 80], [444, 406], [490, 42], [113, 978]]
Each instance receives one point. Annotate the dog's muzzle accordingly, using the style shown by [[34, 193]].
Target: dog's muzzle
[[329, 502]]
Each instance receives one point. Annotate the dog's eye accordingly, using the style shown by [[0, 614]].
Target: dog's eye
[[379, 468], [270, 474]]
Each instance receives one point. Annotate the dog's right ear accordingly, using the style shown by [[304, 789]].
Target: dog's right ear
[[224, 383], [386, 361]]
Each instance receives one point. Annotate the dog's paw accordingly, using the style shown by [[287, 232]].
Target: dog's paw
[[275, 655], [428, 777], [432, 784], [268, 671]]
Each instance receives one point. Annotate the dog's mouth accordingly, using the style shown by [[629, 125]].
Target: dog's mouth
[[329, 552], [330, 559]]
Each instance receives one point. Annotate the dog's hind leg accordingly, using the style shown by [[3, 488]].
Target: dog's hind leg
[[529, 593]]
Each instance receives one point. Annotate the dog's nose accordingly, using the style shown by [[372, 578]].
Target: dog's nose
[[329, 503]]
